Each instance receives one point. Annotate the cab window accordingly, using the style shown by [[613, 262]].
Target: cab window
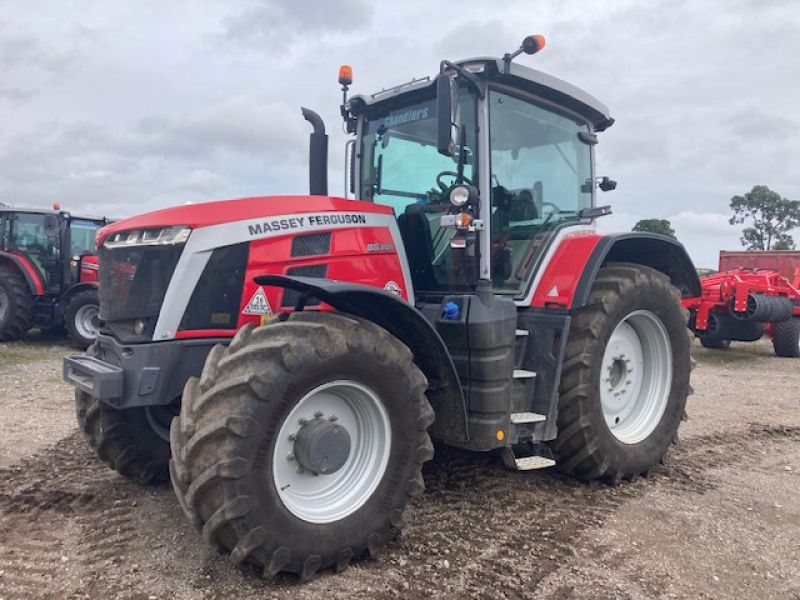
[[82, 235], [541, 179]]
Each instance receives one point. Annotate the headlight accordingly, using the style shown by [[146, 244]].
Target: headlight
[[459, 195], [149, 237]]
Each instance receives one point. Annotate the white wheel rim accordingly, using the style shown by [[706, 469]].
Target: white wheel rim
[[329, 498], [636, 377], [87, 321]]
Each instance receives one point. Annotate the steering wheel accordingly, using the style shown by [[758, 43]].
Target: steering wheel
[[442, 185]]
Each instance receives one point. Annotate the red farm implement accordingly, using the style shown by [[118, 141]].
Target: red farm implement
[[746, 304]]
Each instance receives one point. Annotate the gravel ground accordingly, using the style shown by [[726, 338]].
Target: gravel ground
[[720, 520]]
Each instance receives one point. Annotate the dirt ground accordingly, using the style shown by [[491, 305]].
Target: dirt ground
[[720, 520]]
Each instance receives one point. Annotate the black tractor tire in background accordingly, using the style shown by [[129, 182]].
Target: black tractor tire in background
[[786, 338], [224, 442], [717, 336], [585, 447], [126, 440], [81, 329], [16, 304]]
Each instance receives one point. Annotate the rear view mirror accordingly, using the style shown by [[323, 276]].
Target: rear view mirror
[[446, 114]]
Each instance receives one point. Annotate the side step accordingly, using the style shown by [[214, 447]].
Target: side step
[[527, 417], [526, 463]]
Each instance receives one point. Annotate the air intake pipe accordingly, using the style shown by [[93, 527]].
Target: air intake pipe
[[317, 155]]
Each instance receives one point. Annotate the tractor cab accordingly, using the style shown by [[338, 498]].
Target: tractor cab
[[482, 166]]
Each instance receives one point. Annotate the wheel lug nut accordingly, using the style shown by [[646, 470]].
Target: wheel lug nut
[[318, 414], [292, 437], [302, 421], [333, 418], [298, 469], [290, 456]]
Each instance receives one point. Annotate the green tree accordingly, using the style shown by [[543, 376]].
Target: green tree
[[661, 226], [769, 216]]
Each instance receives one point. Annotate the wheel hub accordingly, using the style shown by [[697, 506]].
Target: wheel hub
[[322, 446]]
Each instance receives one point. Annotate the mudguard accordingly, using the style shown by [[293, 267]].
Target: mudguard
[[28, 271], [407, 324], [649, 249]]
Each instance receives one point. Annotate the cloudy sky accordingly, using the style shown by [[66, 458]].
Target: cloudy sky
[[116, 108]]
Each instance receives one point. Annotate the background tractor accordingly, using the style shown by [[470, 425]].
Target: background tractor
[[312, 346], [48, 273]]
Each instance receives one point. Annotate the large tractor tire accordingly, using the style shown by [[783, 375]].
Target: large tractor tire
[[625, 377], [134, 441], [82, 318], [300, 444], [16, 304], [786, 338]]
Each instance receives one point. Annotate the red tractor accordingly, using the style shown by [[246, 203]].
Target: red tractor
[[311, 346], [48, 273], [744, 305]]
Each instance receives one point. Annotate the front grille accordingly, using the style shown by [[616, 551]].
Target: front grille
[[311, 245], [290, 297], [133, 281]]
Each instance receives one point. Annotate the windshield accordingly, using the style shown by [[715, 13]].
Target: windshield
[[402, 168], [36, 237], [541, 179], [82, 234]]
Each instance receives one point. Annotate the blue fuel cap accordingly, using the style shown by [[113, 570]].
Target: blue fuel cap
[[451, 311]]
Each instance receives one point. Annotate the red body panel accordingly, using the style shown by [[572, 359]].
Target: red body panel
[[226, 211], [346, 261], [88, 272], [563, 272]]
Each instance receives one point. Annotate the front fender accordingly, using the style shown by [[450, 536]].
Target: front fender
[[407, 324]]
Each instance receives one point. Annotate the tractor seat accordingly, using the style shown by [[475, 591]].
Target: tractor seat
[[416, 233]]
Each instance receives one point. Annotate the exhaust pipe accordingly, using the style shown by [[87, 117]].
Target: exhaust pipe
[[317, 155]]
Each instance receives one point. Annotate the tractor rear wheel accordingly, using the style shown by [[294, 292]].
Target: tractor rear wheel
[[16, 304], [134, 441], [82, 318], [300, 444], [786, 338], [625, 377]]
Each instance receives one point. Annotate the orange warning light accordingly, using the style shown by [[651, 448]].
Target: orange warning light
[[345, 75]]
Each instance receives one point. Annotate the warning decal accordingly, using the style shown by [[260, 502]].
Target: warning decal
[[258, 305]]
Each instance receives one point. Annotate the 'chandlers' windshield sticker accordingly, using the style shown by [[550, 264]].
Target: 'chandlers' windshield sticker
[[420, 112], [258, 305]]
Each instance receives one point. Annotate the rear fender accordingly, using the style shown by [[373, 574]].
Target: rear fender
[[28, 271], [648, 249], [407, 324]]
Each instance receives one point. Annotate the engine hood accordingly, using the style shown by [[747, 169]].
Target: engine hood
[[227, 211]]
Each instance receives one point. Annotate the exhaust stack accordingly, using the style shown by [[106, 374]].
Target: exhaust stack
[[318, 155]]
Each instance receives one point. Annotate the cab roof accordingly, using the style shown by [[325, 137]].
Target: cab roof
[[519, 77], [49, 211]]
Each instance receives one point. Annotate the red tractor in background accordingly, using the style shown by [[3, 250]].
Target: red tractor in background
[[746, 304], [287, 360], [48, 273]]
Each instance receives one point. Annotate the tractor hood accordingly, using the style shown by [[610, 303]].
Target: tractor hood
[[206, 214]]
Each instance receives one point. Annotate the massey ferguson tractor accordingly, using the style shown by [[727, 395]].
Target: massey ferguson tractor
[[48, 273], [310, 347]]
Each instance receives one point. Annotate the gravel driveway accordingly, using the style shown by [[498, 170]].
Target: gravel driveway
[[720, 520]]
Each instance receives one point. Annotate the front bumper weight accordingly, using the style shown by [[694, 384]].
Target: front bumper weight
[[95, 377]]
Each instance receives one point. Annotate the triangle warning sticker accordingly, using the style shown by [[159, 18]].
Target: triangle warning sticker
[[258, 305]]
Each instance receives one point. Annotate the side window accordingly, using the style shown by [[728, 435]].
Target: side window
[[81, 237], [541, 178]]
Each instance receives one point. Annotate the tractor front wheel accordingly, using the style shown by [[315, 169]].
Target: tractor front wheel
[[786, 338], [132, 441], [625, 378], [300, 444]]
